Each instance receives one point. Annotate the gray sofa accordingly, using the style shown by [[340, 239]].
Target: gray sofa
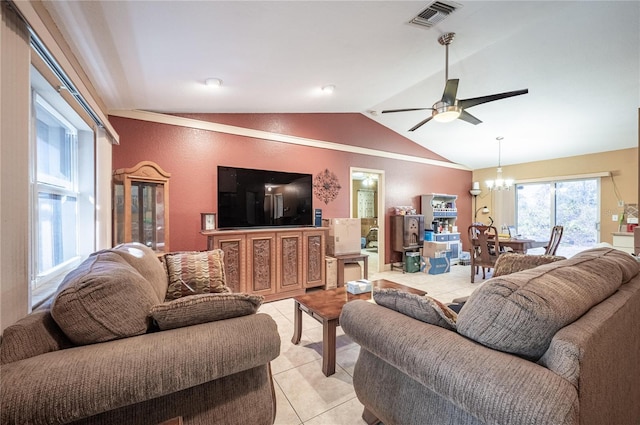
[[109, 349], [556, 344]]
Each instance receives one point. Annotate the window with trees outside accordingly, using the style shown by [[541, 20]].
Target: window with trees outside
[[56, 174], [573, 204], [62, 189]]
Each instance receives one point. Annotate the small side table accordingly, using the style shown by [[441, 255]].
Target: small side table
[[350, 259], [403, 265]]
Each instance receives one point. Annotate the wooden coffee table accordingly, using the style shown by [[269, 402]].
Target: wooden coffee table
[[325, 307]]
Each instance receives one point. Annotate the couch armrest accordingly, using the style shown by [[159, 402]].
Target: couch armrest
[[67, 385], [493, 386]]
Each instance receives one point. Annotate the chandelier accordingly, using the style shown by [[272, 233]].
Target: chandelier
[[500, 183]]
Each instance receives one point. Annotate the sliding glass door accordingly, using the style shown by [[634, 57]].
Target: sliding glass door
[[573, 204]]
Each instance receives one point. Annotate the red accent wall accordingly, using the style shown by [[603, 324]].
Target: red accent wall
[[345, 128], [192, 157]]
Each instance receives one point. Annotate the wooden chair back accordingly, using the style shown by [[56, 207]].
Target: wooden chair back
[[554, 240], [485, 247]]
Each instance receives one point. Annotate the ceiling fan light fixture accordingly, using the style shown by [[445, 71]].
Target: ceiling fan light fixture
[[213, 82], [450, 107], [445, 113], [328, 89]]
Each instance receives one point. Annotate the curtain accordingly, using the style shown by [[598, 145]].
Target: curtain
[[366, 208]]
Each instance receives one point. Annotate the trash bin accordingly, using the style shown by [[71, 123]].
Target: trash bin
[[412, 262], [465, 258]]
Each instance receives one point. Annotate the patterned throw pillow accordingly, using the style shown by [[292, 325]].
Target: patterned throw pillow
[[193, 273], [423, 308], [203, 308]]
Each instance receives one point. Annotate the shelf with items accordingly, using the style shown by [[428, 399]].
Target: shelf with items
[[440, 215], [439, 211]]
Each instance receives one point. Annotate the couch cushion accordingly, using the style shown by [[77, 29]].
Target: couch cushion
[[519, 313], [35, 334], [202, 308], [193, 273], [104, 298], [423, 308], [146, 262], [628, 265]]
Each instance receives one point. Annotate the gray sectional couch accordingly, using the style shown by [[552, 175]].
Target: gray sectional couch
[[97, 353], [556, 344]]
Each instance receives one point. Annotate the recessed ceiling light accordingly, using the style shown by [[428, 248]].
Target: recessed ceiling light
[[213, 82], [328, 88]]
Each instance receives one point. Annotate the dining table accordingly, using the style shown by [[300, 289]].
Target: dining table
[[521, 245], [518, 245]]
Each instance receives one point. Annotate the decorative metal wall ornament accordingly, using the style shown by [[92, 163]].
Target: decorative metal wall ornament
[[326, 186]]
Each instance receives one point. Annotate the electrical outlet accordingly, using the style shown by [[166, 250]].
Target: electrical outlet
[[621, 203], [614, 217]]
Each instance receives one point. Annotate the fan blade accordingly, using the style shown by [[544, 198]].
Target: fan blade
[[404, 110], [465, 116], [468, 103], [450, 92], [421, 123]]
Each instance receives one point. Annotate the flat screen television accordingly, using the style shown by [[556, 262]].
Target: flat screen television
[[263, 198]]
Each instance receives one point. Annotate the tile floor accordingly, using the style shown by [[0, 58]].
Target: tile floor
[[304, 394]]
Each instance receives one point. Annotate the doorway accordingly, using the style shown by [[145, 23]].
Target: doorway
[[367, 204]]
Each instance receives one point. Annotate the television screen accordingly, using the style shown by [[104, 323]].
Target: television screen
[[263, 198]]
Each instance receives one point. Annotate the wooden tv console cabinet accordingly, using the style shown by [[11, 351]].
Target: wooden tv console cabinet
[[276, 263]]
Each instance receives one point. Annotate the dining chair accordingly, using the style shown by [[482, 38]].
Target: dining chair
[[554, 240], [485, 248]]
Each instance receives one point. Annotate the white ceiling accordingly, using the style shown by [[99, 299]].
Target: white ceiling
[[580, 61]]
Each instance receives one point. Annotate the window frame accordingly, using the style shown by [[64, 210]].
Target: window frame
[[70, 185], [553, 207], [81, 186]]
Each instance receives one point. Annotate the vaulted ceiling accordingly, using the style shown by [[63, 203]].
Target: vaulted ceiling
[[580, 61]]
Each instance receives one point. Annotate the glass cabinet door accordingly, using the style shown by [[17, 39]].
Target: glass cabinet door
[[147, 214], [118, 213], [140, 206]]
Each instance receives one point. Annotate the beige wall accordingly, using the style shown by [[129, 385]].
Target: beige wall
[[623, 184]]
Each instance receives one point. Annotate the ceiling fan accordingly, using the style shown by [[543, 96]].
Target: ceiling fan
[[449, 108]]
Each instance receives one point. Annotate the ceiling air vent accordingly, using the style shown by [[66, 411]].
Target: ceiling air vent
[[435, 13]]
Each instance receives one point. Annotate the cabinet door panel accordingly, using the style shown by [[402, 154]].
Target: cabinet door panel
[[289, 255], [314, 252], [234, 252], [261, 265]]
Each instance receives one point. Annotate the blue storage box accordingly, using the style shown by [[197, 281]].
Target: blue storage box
[[437, 265]]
